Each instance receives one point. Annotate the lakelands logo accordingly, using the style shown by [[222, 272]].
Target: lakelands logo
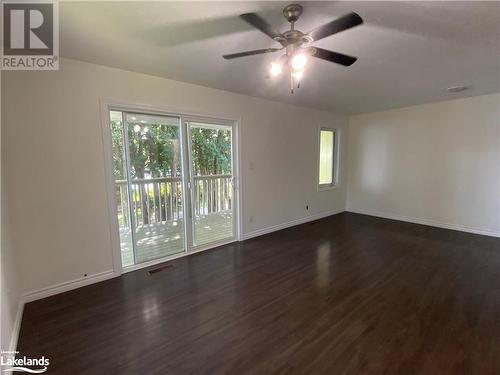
[[9, 362], [30, 35]]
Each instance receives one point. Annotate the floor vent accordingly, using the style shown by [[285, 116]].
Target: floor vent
[[161, 268]]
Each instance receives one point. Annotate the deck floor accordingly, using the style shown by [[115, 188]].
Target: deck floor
[[162, 239]]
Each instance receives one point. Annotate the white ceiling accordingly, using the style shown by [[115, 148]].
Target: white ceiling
[[409, 52]]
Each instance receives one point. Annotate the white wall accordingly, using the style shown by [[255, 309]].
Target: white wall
[[10, 296], [436, 163], [10, 285], [54, 154]]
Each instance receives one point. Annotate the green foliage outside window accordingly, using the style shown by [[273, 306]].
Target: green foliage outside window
[[155, 150]]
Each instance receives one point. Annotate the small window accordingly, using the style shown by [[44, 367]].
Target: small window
[[327, 158]]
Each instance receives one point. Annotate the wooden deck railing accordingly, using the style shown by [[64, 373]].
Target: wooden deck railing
[[158, 200]]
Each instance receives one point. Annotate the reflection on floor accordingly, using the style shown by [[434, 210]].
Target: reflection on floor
[[348, 294], [163, 239]]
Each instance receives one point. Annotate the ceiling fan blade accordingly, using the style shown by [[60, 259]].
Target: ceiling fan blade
[[250, 53], [340, 24], [257, 22], [331, 56]]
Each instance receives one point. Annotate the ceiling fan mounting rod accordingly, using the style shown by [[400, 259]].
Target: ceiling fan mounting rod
[[292, 13]]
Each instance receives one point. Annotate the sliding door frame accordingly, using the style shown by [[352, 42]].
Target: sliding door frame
[[108, 105]]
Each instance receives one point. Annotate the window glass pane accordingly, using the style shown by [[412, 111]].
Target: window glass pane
[[212, 186], [326, 157], [211, 149]]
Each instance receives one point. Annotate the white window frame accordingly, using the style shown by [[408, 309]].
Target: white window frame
[[336, 159]]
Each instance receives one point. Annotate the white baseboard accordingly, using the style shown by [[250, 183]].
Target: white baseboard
[[49, 291], [68, 285], [17, 326], [78, 283], [14, 337], [432, 223], [292, 223]]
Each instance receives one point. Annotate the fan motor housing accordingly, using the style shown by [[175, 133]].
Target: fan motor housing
[[296, 37]]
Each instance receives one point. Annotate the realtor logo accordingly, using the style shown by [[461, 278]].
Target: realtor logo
[[30, 35]]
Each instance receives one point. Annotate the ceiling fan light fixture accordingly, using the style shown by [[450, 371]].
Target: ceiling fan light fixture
[[276, 69], [299, 62]]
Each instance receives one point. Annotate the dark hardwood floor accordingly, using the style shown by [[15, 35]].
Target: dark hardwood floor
[[349, 294]]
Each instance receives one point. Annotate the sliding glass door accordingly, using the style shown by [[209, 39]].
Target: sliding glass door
[[211, 171], [155, 176], [173, 184], [147, 153]]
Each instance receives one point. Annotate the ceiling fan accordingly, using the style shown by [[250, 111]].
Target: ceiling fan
[[298, 45]]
